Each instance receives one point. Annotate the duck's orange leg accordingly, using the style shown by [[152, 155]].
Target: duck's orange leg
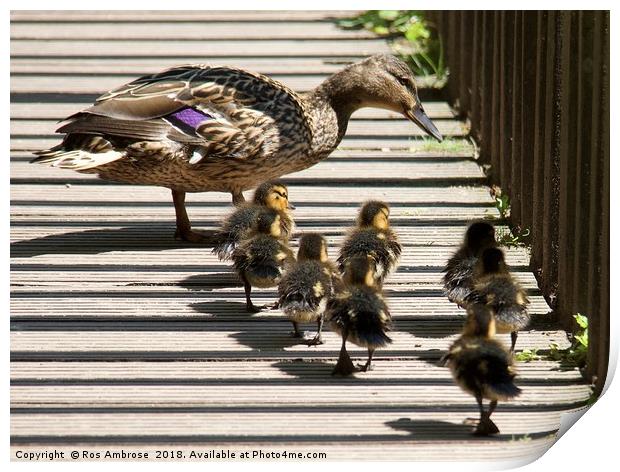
[[184, 228]]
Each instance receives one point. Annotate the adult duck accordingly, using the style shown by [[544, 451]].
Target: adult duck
[[198, 128]]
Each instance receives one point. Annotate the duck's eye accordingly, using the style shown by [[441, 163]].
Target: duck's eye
[[403, 81]]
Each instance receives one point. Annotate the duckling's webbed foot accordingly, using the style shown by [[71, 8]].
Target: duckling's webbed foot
[[513, 339], [249, 306], [344, 366], [368, 366], [317, 339], [486, 427], [296, 333]]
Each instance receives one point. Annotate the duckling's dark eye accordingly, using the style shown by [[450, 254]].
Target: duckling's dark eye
[[403, 81]]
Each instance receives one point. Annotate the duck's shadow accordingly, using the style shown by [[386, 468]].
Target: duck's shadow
[[97, 241]]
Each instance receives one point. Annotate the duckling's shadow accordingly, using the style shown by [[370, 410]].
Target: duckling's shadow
[[97, 241], [210, 281], [222, 309], [443, 430], [308, 370], [421, 328], [430, 429], [274, 340]]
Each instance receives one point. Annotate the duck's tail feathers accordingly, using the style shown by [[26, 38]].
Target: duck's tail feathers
[[75, 159]]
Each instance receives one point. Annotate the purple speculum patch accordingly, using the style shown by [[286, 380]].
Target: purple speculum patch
[[187, 118]]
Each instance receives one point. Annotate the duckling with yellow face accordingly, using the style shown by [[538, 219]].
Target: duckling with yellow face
[[262, 257], [494, 286], [359, 313], [372, 237], [307, 286], [481, 366], [272, 194]]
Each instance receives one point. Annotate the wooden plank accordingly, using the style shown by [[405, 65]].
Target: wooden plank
[[216, 426], [199, 49], [223, 305], [393, 370], [204, 30], [230, 339], [331, 394], [300, 195], [79, 16]]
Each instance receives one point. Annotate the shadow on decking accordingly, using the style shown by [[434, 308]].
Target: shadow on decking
[[97, 241]]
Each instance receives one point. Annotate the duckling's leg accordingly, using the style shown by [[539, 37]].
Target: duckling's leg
[[317, 339], [237, 198], [296, 332], [249, 306], [513, 338], [344, 366], [485, 425], [184, 228], [366, 367]]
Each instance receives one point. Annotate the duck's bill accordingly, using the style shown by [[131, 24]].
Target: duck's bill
[[290, 206], [419, 118]]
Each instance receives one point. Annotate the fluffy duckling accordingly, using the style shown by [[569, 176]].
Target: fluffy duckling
[[359, 313], [495, 287], [459, 271], [272, 194], [481, 366], [305, 289], [372, 237], [261, 257]]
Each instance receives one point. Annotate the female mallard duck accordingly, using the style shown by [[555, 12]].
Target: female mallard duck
[[372, 237], [359, 313], [481, 366], [307, 286], [272, 194], [261, 258], [459, 271], [495, 287], [199, 128]]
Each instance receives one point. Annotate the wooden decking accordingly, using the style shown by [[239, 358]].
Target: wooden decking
[[123, 338]]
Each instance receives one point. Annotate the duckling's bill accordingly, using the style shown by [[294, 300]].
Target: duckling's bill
[[420, 118]]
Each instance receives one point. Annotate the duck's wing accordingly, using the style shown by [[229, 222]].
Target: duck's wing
[[227, 112]]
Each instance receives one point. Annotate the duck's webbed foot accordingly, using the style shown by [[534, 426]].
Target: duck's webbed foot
[[184, 228], [251, 308], [237, 198], [191, 236]]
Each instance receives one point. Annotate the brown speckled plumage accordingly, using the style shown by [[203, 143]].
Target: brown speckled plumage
[[250, 128]]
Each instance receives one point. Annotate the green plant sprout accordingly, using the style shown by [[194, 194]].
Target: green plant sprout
[[502, 203], [576, 355], [413, 37], [514, 238], [528, 355]]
